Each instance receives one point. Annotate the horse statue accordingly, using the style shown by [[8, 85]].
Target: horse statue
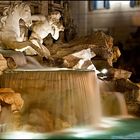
[[45, 26], [10, 34]]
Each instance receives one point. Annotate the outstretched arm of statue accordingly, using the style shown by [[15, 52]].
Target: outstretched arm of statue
[[38, 18]]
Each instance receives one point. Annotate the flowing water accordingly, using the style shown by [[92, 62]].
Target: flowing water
[[113, 103], [54, 99]]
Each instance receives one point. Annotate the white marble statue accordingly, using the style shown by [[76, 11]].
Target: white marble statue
[[42, 27], [10, 34], [10, 30]]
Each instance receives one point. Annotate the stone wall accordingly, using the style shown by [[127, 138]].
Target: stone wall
[[37, 7], [117, 19]]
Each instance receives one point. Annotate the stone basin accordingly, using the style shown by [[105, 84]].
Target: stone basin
[[54, 98]]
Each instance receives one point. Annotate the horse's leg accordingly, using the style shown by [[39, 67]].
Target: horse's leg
[[49, 57], [45, 50], [24, 44], [38, 43]]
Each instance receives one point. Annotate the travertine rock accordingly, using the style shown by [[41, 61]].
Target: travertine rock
[[14, 58], [99, 38], [70, 55], [119, 73], [116, 53], [3, 64], [99, 43], [8, 96], [123, 85], [80, 60]]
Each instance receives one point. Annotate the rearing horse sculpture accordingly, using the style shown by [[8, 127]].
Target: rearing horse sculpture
[[10, 36]]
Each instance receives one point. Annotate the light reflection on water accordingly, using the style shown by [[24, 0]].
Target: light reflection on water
[[75, 132], [22, 135]]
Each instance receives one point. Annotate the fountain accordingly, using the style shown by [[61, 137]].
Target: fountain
[[66, 97], [57, 100]]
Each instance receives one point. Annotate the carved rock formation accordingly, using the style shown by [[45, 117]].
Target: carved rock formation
[[14, 58], [3, 64], [119, 73], [8, 96], [79, 60], [99, 43]]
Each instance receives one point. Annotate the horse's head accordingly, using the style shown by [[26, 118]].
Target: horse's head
[[25, 13], [18, 11], [57, 27]]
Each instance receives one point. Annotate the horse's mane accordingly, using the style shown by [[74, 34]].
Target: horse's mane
[[10, 10]]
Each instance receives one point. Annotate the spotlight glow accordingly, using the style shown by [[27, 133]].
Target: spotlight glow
[[104, 71], [78, 130], [87, 134]]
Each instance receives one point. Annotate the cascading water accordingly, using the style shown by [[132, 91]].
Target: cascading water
[[113, 103], [62, 103], [54, 99]]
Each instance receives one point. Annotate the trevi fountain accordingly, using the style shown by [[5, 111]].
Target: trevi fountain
[[57, 90]]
